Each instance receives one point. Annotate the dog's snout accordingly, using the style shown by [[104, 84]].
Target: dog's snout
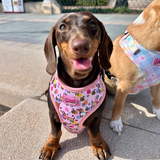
[[80, 46]]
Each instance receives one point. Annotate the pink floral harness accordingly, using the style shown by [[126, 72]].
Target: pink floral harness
[[147, 61], [75, 105]]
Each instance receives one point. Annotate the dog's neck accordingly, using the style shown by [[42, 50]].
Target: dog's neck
[[72, 82]]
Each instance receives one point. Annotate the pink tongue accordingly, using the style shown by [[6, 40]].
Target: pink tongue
[[82, 63]]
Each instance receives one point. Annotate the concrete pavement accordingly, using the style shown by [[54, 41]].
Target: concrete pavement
[[24, 129], [22, 37]]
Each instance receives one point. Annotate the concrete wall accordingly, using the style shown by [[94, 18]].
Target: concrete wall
[[33, 7], [39, 7]]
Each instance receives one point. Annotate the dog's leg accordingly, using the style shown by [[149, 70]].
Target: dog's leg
[[155, 99], [99, 147], [123, 89], [49, 150]]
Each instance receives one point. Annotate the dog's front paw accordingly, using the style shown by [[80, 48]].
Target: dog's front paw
[[117, 126], [100, 148], [157, 112], [49, 150], [48, 153], [101, 152]]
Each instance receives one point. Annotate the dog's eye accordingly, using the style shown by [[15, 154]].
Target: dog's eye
[[63, 27], [92, 24]]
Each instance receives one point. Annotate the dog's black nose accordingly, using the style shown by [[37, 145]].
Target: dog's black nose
[[80, 46]]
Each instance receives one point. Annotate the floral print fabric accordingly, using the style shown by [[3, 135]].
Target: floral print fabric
[[73, 107]]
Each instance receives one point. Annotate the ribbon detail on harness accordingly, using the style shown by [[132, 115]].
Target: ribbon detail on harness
[[156, 62]]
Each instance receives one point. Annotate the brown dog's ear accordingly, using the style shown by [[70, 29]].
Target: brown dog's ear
[[105, 49], [49, 50]]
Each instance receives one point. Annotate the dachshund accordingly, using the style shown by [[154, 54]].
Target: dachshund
[[84, 48]]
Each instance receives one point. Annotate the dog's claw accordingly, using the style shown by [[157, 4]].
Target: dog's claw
[[59, 148], [97, 156], [40, 157], [109, 153], [119, 133]]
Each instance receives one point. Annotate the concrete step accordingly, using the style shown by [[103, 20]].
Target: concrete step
[[22, 73], [25, 128]]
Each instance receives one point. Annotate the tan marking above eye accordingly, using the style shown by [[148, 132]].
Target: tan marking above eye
[[67, 20], [86, 17]]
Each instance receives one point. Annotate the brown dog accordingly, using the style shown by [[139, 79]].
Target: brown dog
[[84, 47], [145, 33]]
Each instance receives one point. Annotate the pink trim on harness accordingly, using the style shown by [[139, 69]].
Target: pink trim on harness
[[147, 61], [75, 105]]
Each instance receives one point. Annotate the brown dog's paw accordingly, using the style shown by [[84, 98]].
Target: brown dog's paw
[[48, 153], [100, 148], [101, 153], [50, 148]]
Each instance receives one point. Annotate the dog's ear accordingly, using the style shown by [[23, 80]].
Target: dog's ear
[[49, 50], [105, 48]]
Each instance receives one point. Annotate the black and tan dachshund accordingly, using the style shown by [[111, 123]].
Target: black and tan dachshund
[[84, 48]]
